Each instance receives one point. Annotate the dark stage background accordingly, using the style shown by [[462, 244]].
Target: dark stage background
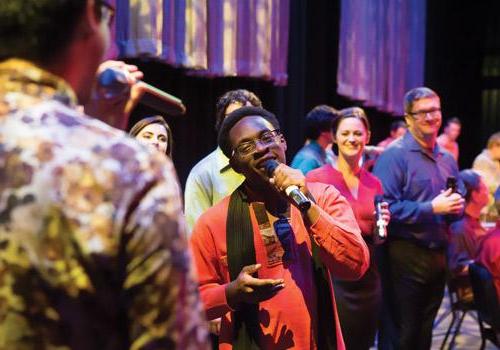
[[462, 65]]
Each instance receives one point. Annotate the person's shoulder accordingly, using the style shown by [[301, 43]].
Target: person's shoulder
[[54, 116], [204, 166], [446, 154], [442, 140], [321, 174], [214, 218], [397, 150], [370, 179], [300, 155], [493, 235], [101, 148], [319, 189], [481, 159], [398, 145]]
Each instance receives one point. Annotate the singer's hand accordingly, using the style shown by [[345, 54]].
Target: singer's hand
[[248, 289], [116, 111], [285, 176], [448, 202]]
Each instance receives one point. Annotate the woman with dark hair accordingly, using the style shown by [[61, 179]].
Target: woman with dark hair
[[358, 301], [154, 132]]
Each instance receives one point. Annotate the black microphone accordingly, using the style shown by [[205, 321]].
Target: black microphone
[[112, 82], [293, 192], [451, 182], [380, 226]]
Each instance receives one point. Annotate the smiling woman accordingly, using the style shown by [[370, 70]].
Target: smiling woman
[[154, 132], [358, 301]]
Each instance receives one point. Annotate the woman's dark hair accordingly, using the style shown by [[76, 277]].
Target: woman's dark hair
[[471, 180], [157, 119], [352, 112]]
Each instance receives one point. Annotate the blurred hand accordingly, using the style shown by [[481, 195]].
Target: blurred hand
[[116, 111], [385, 213], [214, 326], [248, 289], [448, 202]]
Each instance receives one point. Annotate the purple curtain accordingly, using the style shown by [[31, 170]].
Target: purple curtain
[[382, 51], [210, 37]]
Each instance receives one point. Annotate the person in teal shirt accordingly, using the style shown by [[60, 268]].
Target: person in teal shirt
[[318, 138]]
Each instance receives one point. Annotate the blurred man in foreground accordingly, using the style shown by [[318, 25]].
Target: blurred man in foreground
[[92, 255]]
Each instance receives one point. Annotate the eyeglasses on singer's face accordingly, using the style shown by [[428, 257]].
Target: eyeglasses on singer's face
[[265, 139], [106, 12], [434, 113]]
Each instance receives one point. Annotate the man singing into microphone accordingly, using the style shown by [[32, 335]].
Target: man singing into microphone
[[263, 263]]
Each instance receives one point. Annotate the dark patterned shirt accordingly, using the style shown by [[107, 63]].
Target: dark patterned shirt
[[92, 249]]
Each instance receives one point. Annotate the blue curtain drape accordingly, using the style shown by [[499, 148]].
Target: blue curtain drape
[[381, 51]]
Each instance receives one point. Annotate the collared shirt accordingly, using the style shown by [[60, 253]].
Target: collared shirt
[[91, 254], [210, 180], [309, 157], [362, 205], [411, 179]]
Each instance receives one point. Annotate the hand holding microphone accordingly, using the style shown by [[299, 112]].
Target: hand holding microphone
[[449, 201], [113, 101], [289, 180], [117, 91], [382, 217]]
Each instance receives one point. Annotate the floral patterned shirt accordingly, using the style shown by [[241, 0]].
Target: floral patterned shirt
[[92, 250]]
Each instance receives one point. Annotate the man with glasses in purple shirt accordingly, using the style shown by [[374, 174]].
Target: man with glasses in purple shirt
[[414, 173]]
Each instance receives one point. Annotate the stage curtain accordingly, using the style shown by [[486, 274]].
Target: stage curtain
[[381, 51], [208, 37]]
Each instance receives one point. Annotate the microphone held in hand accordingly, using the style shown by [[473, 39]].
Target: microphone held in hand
[[113, 82], [380, 225], [292, 192], [451, 182]]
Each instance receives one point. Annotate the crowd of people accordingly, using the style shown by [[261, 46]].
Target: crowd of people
[[97, 251]]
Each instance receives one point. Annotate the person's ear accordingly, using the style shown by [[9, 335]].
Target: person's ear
[[233, 162], [283, 142], [334, 139], [368, 136], [89, 21], [407, 119]]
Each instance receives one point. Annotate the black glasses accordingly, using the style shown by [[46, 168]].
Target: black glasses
[[106, 12], [265, 139], [434, 113]]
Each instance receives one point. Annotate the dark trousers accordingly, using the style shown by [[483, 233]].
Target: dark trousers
[[358, 307], [413, 281]]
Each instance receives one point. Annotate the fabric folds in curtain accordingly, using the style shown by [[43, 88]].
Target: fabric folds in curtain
[[211, 37], [382, 51]]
